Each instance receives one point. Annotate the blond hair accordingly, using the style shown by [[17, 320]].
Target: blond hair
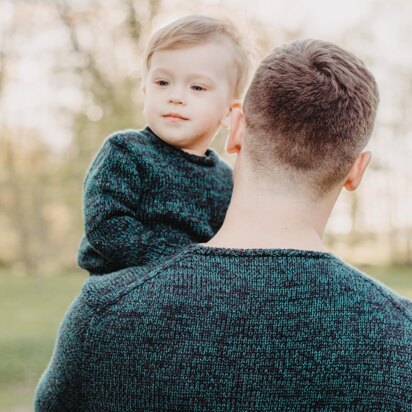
[[195, 30]]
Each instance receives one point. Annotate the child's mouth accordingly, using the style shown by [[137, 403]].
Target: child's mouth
[[174, 116]]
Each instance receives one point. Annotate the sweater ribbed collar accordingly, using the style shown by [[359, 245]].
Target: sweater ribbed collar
[[209, 159], [221, 251]]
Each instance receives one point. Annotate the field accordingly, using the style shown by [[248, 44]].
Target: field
[[30, 312], [32, 308]]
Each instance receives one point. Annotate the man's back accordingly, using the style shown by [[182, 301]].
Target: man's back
[[226, 329]]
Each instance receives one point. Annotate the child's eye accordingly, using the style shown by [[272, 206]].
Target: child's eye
[[162, 83], [197, 88]]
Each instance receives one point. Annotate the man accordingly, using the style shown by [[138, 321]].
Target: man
[[261, 317]]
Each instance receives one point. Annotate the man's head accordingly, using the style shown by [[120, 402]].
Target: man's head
[[196, 70], [309, 112]]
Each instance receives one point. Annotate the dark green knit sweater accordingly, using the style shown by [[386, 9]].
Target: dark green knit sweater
[[233, 330], [144, 199]]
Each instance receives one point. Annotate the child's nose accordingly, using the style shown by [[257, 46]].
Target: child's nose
[[176, 100], [177, 96]]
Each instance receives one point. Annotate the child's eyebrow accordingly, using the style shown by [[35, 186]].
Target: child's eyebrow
[[161, 70], [202, 76], [192, 76]]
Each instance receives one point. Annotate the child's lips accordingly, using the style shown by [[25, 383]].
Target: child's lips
[[174, 116]]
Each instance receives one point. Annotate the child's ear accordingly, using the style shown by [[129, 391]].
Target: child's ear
[[355, 175], [234, 104], [237, 129]]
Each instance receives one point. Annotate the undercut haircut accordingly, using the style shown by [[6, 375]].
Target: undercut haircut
[[197, 30], [310, 110]]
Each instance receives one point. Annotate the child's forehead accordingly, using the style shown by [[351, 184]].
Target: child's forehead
[[219, 47], [190, 73], [207, 59]]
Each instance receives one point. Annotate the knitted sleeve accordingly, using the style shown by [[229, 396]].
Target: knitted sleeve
[[60, 387], [111, 198]]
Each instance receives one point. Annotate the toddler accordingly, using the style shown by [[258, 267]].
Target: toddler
[[150, 192]]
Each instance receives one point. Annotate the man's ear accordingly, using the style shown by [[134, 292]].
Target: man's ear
[[237, 129], [355, 175], [234, 104]]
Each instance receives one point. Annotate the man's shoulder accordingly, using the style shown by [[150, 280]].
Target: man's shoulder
[[102, 291], [352, 289], [367, 289]]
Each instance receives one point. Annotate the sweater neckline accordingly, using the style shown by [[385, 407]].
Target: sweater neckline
[[209, 159], [258, 252]]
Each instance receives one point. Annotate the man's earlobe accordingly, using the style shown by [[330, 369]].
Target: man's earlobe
[[357, 171], [237, 128]]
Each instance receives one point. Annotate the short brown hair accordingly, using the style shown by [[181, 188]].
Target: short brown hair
[[310, 108], [194, 30]]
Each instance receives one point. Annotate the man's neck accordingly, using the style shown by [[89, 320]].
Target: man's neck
[[281, 221]]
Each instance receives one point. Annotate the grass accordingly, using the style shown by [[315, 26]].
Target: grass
[[31, 310], [398, 278]]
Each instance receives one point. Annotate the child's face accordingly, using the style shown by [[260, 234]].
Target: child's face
[[188, 93]]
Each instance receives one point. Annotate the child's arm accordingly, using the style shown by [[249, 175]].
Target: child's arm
[[111, 198]]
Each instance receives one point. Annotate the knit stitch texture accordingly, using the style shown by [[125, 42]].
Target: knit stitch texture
[[213, 329], [144, 199]]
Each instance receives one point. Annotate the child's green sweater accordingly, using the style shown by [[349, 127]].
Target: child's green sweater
[[144, 199], [233, 330]]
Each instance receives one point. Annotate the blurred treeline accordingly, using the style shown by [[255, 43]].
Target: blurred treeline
[[98, 67], [40, 207]]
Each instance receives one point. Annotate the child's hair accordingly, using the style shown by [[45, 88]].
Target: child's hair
[[195, 30], [310, 109]]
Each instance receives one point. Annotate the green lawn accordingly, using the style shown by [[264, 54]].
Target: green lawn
[[31, 310], [30, 313], [399, 278]]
